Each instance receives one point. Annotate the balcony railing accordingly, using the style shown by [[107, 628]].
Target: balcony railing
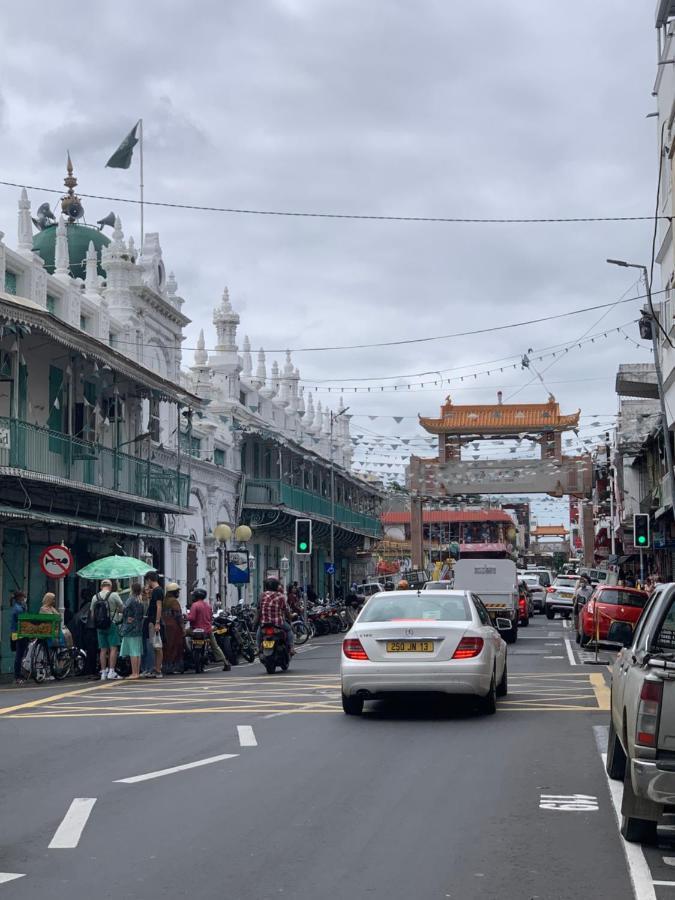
[[271, 492], [44, 452]]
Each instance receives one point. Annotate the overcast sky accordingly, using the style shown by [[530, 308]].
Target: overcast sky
[[385, 107]]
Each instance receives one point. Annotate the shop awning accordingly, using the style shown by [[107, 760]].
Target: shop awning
[[103, 526]]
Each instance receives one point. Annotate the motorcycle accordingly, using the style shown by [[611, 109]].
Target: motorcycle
[[222, 631], [198, 641], [274, 649]]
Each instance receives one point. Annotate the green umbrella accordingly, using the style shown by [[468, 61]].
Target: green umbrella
[[114, 567]]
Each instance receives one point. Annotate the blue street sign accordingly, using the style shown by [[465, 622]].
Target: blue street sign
[[329, 568]]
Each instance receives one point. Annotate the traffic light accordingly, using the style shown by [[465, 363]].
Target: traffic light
[[303, 537], [641, 534]]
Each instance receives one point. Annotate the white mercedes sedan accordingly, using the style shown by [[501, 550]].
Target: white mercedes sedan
[[423, 641]]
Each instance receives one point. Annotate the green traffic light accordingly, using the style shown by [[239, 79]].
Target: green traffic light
[[642, 539], [303, 545]]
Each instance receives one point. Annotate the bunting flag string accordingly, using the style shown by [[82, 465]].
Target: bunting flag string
[[444, 379]]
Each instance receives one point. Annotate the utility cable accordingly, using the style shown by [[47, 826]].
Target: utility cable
[[452, 220]]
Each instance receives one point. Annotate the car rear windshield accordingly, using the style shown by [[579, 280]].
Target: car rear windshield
[[531, 581], [543, 578], [622, 598], [565, 582], [389, 608]]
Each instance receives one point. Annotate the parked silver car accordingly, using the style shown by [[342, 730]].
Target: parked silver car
[[641, 746]]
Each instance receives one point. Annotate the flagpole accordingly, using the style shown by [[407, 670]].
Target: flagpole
[[140, 122]]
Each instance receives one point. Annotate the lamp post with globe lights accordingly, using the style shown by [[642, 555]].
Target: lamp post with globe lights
[[222, 533]]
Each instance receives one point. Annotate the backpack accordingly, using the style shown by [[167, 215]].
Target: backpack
[[102, 618]]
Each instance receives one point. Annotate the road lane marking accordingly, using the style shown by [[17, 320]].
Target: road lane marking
[[601, 691], [246, 736], [68, 834], [665, 883], [669, 860], [554, 657], [193, 765], [570, 652], [638, 869], [569, 802], [10, 876], [52, 697]]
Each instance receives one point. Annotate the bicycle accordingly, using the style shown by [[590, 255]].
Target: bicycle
[[58, 662]]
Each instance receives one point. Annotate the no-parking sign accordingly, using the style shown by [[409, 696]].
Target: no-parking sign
[[56, 561]]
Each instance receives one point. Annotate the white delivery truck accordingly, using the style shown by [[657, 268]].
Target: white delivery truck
[[495, 581]]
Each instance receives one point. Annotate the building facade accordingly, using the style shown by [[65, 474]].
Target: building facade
[[109, 446]]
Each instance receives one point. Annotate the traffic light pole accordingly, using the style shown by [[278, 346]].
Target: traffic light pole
[[642, 568]]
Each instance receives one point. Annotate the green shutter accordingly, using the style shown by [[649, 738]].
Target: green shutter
[[51, 304], [219, 457], [10, 282]]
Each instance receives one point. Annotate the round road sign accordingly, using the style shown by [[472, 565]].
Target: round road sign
[[56, 561]]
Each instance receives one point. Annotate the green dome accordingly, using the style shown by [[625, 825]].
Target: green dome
[[44, 243]]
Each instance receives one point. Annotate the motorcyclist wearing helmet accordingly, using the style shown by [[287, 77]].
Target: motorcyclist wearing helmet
[[273, 610], [201, 616]]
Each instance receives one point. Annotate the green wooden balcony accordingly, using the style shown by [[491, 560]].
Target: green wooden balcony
[[38, 450], [272, 492]]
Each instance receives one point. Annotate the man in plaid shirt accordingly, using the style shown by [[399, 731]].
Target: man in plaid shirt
[[273, 610]]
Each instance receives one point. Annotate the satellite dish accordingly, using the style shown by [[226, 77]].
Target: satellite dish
[[107, 220]]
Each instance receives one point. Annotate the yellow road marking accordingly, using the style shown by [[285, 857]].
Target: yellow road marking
[[52, 697], [602, 693]]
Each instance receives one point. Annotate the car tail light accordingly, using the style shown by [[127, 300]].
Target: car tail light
[[648, 713], [522, 602], [269, 630], [550, 590], [590, 607], [353, 649], [468, 647]]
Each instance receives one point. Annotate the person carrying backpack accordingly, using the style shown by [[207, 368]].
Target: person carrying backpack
[[107, 612]]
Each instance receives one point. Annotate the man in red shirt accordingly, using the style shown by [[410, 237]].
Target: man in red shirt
[[273, 610], [200, 616]]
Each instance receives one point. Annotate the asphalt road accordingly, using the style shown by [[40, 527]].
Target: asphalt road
[[419, 801]]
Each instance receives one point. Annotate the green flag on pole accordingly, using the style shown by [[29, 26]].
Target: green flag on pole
[[121, 158]]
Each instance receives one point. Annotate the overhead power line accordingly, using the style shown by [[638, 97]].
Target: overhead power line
[[297, 214]]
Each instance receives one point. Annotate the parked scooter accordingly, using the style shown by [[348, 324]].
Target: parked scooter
[[274, 650]]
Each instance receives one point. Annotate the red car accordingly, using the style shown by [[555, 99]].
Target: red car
[[609, 604]]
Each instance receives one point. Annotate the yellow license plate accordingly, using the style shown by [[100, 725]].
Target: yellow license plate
[[268, 645], [410, 646]]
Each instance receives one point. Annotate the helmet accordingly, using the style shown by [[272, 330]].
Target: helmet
[[403, 585], [172, 588], [199, 594]]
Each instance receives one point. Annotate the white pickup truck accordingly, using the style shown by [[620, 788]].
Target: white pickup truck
[[496, 583], [641, 746]]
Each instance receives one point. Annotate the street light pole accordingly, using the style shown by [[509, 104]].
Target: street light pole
[[333, 417], [659, 377]]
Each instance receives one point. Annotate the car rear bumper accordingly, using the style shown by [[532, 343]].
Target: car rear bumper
[[376, 679], [558, 604], [652, 781]]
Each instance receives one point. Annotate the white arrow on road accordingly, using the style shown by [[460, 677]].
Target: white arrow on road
[[9, 876]]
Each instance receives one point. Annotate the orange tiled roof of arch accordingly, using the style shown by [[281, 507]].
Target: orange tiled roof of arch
[[549, 531], [499, 418]]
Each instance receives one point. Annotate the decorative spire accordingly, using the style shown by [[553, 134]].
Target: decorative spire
[[201, 356], [247, 362], [226, 321], [25, 235], [61, 261], [318, 419], [289, 371], [327, 415], [308, 420], [131, 244], [261, 371], [275, 378], [117, 243], [301, 401], [71, 205], [91, 267]]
